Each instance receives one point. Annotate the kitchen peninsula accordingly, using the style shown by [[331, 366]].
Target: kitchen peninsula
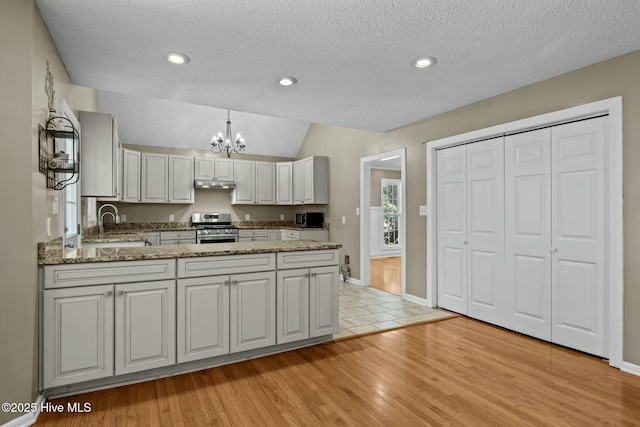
[[118, 315]]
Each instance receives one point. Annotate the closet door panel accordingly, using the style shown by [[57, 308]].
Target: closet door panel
[[485, 230], [452, 229], [578, 287], [528, 233]]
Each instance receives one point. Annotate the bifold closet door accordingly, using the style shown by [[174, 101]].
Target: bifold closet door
[[528, 233], [452, 228], [577, 241], [485, 231]]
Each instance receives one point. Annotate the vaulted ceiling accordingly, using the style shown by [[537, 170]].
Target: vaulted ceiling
[[354, 59]]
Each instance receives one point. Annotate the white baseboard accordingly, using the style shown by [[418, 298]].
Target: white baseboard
[[353, 281], [28, 418], [630, 368], [414, 299]]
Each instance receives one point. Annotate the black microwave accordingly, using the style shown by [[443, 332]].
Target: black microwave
[[310, 219]]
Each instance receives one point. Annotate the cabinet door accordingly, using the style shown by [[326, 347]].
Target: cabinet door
[[298, 182], [181, 179], [154, 178], [292, 300], [224, 169], [265, 183], [131, 176], [77, 335], [204, 168], [145, 326], [153, 238], [307, 181], [203, 318], [284, 183], [253, 311], [273, 235], [323, 301], [245, 178], [99, 155]]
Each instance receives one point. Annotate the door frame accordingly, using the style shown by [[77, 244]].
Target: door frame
[[365, 215], [614, 261]]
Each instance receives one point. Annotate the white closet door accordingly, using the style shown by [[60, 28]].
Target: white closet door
[[485, 230], [578, 285], [528, 233], [452, 228]]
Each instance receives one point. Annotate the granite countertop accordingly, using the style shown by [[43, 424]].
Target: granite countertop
[[115, 237], [271, 225], [55, 254]]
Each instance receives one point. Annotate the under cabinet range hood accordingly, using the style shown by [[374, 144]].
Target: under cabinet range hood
[[213, 184]]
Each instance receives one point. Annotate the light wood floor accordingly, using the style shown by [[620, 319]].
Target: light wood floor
[[386, 274], [453, 372]]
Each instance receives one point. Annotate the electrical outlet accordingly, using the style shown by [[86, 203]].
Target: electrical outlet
[[171, 218], [123, 218], [281, 217], [423, 210], [344, 219], [55, 206], [358, 211], [247, 217]]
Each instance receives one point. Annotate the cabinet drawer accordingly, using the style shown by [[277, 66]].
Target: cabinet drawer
[[176, 235], [304, 259], [290, 235], [230, 264], [100, 273], [252, 233]]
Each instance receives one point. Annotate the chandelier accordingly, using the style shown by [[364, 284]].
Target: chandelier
[[220, 144]]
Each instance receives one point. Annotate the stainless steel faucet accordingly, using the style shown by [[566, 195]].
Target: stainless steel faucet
[[114, 215]]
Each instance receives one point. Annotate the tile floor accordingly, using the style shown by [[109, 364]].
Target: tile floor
[[364, 310]]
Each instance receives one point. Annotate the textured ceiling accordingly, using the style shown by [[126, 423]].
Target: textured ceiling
[[353, 59]]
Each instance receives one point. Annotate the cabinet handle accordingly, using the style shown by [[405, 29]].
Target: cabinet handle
[[306, 274], [554, 249], [314, 274], [234, 282], [108, 293], [120, 293]]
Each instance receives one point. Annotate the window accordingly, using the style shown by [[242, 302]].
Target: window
[[391, 212]]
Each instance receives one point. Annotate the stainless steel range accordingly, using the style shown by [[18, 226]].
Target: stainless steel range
[[214, 228]]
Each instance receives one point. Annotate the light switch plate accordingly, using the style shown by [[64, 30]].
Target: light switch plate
[[344, 219], [247, 217], [123, 218], [281, 217], [171, 218], [423, 210], [358, 211]]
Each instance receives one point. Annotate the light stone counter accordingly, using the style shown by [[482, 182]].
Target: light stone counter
[[55, 254]]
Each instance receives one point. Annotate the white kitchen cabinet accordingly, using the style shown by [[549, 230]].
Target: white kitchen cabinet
[[253, 311], [153, 238], [166, 178], [130, 176], [292, 300], [154, 178], [77, 335], [289, 235], [203, 318], [101, 156], [255, 183], [186, 237], [253, 235], [273, 235], [284, 183], [245, 179], [224, 169], [323, 301], [311, 180], [181, 188], [144, 326], [204, 168]]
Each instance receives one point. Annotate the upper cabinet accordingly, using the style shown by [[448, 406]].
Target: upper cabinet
[[204, 168], [166, 178], [101, 156], [130, 176], [255, 183], [224, 169], [208, 168], [311, 181], [284, 183]]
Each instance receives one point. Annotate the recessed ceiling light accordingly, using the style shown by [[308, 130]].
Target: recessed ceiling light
[[425, 62], [177, 58], [288, 81]]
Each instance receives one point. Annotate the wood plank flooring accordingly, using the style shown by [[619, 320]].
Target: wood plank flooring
[[456, 372], [386, 274]]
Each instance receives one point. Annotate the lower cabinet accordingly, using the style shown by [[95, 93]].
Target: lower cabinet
[[85, 327], [203, 318], [145, 321], [77, 333], [253, 311], [307, 301]]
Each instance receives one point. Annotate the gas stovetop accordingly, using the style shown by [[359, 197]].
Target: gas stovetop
[[220, 222]]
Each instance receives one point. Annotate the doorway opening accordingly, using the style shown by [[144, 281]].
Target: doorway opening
[[382, 222]]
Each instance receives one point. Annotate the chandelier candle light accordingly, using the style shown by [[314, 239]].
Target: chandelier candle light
[[219, 144]]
